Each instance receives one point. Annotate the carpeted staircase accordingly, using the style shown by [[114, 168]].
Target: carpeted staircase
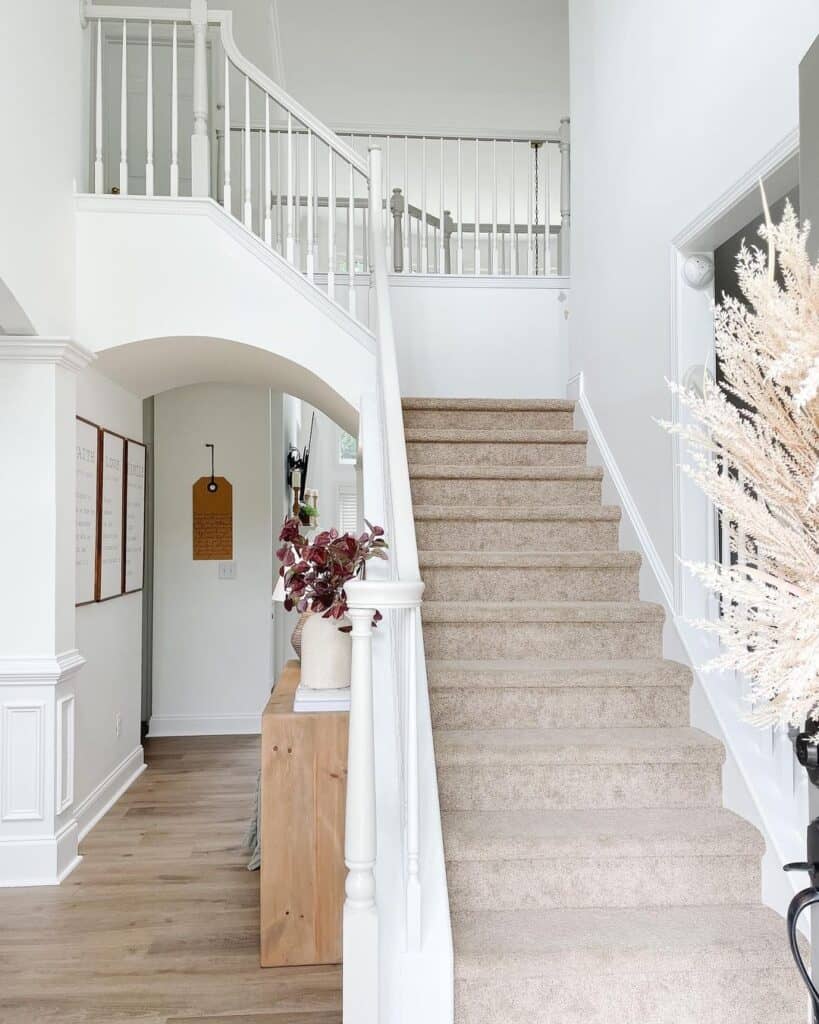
[[593, 874]]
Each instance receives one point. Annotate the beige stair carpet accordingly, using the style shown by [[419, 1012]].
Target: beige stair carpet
[[593, 873]]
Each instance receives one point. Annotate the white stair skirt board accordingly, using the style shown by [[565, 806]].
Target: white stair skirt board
[[103, 797], [321, 700], [204, 725]]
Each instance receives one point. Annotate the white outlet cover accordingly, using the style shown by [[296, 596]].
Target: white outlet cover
[[227, 570]]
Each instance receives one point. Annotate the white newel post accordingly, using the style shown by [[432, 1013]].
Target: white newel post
[[565, 196], [38, 655], [360, 918], [200, 145]]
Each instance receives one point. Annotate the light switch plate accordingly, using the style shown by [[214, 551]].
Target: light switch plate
[[227, 570]]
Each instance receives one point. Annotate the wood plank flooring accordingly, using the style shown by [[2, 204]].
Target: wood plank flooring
[[160, 922]]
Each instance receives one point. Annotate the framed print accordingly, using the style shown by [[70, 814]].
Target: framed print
[[86, 515], [111, 512], [135, 464]]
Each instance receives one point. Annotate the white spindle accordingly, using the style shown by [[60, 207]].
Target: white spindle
[[297, 178], [412, 790], [310, 211], [331, 223], [494, 262], [460, 263], [442, 231], [477, 208], [248, 203], [424, 232], [408, 223], [291, 244], [123, 115], [530, 253], [99, 172], [175, 116], [547, 211], [565, 197], [268, 196], [351, 244], [513, 235], [200, 144], [279, 205], [149, 117], [226, 192], [388, 229]]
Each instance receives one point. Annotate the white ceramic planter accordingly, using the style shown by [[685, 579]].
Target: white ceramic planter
[[326, 654]]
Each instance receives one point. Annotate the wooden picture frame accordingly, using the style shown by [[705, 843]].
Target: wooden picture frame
[[111, 517], [86, 512], [133, 532]]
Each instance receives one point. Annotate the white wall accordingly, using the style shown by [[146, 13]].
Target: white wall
[[484, 338], [109, 637], [670, 105], [44, 123], [212, 663]]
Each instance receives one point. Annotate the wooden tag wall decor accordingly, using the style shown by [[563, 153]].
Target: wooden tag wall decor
[[212, 519]]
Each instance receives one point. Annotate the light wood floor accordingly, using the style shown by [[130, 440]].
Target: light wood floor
[[160, 922]]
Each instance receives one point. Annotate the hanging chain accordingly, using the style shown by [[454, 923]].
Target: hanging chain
[[536, 146]]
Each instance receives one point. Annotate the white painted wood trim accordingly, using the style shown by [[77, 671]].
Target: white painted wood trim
[[484, 281], [24, 348], [103, 797], [39, 671], [45, 860], [205, 725]]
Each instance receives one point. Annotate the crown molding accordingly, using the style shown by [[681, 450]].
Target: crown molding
[[40, 671], [21, 348]]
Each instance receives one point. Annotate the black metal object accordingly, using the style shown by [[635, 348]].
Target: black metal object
[[212, 485]]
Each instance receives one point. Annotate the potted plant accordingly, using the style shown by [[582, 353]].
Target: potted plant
[[313, 574]]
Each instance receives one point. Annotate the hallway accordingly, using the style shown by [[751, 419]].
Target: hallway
[[159, 923]]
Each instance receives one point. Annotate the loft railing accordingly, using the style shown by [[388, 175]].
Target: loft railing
[[458, 204], [169, 153]]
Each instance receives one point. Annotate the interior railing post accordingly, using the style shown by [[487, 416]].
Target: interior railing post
[[200, 144], [565, 195], [397, 212]]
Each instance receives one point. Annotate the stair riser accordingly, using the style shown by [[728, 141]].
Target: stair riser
[[559, 708], [651, 881], [476, 493], [707, 996], [592, 640], [530, 584], [495, 453], [517, 534], [488, 419], [578, 786]]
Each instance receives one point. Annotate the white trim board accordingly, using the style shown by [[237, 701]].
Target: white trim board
[[205, 725], [103, 797]]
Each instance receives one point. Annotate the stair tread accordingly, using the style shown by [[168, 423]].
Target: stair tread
[[493, 435], [617, 832], [541, 611], [491, 404], [534, 559], [514, 944], [535, 513], [432, 471], [628, 745], [508, 673]]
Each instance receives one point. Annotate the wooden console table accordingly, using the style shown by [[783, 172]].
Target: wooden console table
[[303, 787]]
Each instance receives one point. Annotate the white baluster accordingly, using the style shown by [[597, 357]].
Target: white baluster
[[279, 205], [310, 256], [360, 915], [297, 173], [477, 208], [565, 196], [99, 172], [316, 188], [530, 253], [200, 144], [388, 246], [291, 244], [351, 244], [408, 225], [547, 211], [442, 231], [331, 223], [248, 203], [513, 235], [494, 262], [123, 115], [149, 118], [175, 127], [424, 231], [226, 192], [268, 195], [460, 263]]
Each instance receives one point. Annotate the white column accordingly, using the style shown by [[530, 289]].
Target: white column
[[38, 656], [565, 196], [200, 144]]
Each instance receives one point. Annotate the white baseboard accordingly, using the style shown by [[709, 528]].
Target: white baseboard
[[103, 797], [204, 725], [45, 860]]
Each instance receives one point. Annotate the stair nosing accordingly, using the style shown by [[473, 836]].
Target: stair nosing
[[505, 513], [453, 471], [542, 611], [492, 435], [489, 404], [433, 559]]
